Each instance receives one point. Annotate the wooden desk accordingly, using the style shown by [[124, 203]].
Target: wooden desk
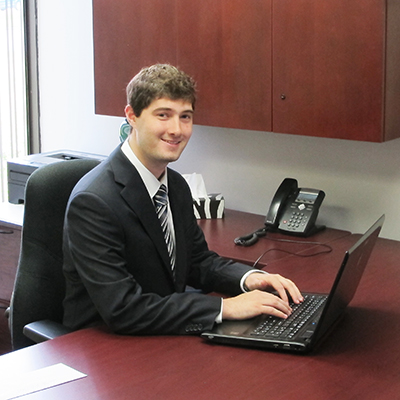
[[347, 366], [11, 218], [220, 234]]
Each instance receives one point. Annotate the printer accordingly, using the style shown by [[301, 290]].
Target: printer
[[19, 169]]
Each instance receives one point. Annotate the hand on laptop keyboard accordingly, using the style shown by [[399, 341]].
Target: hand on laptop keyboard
[[269, 282], [257, 301]]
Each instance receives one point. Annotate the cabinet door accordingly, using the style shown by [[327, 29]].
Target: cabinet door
[[129, 35], [328, 68], [226, 46]]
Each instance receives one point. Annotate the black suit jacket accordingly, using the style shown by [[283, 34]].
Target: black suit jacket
[[116, 262]]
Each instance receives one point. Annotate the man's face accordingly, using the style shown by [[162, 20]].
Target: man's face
[[161, 132]]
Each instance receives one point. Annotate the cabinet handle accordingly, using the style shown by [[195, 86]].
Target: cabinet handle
[[283, 96]]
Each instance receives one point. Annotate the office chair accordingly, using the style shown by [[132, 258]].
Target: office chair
[[36, 311]]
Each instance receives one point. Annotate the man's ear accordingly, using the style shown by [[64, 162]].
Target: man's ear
[[130, 115]]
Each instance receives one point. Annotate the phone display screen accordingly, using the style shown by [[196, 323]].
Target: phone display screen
[[306, 197]]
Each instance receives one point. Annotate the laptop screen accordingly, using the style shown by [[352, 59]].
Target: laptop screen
[[348, 277]]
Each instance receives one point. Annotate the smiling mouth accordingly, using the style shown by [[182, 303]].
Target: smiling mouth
[[172, 142]]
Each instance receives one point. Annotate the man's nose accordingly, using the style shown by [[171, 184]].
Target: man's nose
[[174, 126]]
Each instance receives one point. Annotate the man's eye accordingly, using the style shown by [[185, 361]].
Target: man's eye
[[187, 117]]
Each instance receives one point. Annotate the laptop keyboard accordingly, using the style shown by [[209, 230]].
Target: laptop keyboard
[[287, 328]]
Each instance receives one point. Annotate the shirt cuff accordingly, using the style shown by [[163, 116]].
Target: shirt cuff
[[218, 318], [242, 285]]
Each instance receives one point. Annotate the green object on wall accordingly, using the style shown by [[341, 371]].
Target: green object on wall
[[124, 131]]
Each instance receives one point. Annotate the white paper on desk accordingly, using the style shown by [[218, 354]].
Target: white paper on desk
[[197, 186], [34, 381]]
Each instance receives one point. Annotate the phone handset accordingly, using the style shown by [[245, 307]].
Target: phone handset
[[287, 188]]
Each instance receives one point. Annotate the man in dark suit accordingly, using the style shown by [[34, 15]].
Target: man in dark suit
[[126, 269]]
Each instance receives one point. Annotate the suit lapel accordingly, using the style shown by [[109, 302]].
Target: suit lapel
[[135, 194]]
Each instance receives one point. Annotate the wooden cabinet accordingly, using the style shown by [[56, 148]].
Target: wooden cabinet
[[336, 68], [224, 44], [308, 67], [128, 34]]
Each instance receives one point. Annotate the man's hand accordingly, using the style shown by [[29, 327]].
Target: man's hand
[[258, 301], [270, 282]]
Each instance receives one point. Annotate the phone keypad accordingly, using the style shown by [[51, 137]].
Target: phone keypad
[[297, 220]]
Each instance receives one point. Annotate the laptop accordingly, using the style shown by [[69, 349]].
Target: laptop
[[311, 320]]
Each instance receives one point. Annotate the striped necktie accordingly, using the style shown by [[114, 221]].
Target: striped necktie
[[161, 206]]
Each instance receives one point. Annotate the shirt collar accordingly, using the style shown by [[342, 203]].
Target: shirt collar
[[151, 182]]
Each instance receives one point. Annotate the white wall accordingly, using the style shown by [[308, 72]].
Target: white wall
[[361, 180]]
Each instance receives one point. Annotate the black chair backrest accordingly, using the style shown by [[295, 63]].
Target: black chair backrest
[[39, 287]]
